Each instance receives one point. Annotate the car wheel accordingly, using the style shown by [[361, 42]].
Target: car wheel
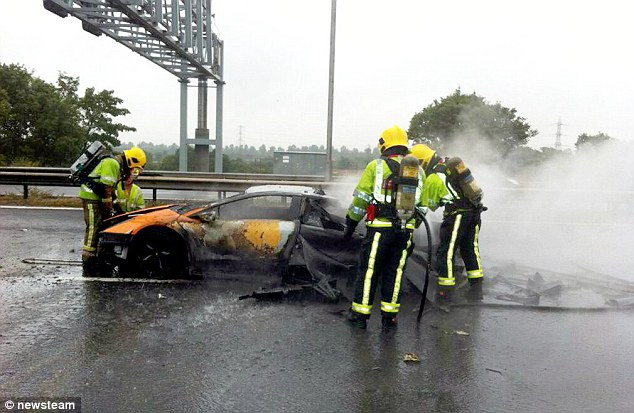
[[156, 253]]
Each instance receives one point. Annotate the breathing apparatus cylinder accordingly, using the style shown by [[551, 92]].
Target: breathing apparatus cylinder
[[87, 160], [406, 189], [461, 175]]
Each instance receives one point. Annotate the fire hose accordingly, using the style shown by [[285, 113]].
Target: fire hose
[[427, 270]]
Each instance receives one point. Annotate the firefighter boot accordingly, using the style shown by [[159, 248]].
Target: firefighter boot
[[357, 320], [389, 321], [474, 294], [89, 264]]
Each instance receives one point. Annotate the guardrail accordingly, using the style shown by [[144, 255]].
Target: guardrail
[[511, 197], [163, 180]]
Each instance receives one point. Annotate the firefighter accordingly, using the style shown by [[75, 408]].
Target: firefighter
[[128, 195], [388, 241], [460, 227], [97, 197]]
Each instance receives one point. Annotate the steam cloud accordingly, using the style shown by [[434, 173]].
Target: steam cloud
[[572, 214]]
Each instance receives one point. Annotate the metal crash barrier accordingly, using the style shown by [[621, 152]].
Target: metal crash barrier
[[164, 180], [506, 198]]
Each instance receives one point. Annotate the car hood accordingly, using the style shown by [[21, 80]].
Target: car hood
[[133, 222]]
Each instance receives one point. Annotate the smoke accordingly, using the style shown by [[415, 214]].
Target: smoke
[[571, 214]]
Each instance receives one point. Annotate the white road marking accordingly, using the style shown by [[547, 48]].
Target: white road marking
[[40, 207], [121, 280]]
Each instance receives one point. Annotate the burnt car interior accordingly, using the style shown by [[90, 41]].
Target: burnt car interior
[[283, 208], [315, 213], [314, 255]]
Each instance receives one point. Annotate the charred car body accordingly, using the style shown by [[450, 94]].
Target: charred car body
[[292, 232]]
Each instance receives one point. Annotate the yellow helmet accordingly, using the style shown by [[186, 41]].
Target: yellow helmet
[[394, 136], [135, 157], [424, 154]]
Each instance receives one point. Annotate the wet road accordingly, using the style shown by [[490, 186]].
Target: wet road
[[194, 347]]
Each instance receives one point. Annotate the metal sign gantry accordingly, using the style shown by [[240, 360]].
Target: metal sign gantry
[[177, 35]]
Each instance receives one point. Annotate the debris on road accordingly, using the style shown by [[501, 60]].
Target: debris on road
[[536, 288], [44, 261], [411, 357]]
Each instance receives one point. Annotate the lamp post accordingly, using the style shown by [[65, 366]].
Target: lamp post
[[331, 88]]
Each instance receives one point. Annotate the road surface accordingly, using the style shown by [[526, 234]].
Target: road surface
[[194, 347]]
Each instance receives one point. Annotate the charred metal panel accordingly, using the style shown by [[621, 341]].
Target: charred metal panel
[[325, 253], [262, 238]]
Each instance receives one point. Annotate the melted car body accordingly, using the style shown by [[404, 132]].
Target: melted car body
[[296, 234], [286, 229]]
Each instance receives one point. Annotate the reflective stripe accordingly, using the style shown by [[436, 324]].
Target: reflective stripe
[[108, 180], [399, 272], [390, 307], [362, 195], [476, 248], [367, 282], [452, 246], [378, 185], [419, 187], [362, 309], [91, 227], [379, 224], [357, 211], [475, 274], [388, 224], [446, 281], [85, 188]]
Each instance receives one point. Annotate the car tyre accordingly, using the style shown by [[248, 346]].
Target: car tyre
[[156, 253]]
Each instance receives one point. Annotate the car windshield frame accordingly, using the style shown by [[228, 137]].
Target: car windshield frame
[[294, 208]]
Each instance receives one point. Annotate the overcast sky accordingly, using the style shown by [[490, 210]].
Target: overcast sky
[[548, 59]]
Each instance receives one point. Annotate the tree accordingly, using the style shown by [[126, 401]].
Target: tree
[[5, 113], [585, 140], [44, 124], [38, 120], [459, 116], [96, 110]]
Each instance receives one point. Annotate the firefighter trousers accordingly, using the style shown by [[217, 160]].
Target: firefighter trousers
[[94, 213], [384, 254], [460, 230]]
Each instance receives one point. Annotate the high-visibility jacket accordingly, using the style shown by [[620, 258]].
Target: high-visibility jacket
[[371, 190], [129, 201], [107, 172]]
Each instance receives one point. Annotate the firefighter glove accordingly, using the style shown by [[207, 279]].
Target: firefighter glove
[[351, 224]]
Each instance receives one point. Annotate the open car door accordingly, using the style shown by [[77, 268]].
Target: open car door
[[321, 247]]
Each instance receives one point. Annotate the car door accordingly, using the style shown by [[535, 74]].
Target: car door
[[324, 251], [249, 232]]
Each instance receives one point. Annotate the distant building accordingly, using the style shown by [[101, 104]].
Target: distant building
[[299, 163]]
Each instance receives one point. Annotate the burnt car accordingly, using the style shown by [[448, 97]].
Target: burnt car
[[294, 232], [287, 231]]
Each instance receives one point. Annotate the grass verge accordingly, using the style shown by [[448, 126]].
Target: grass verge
[[38, 197]]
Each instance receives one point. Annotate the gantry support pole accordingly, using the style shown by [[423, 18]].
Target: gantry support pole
[[201, 147], [182, 152]]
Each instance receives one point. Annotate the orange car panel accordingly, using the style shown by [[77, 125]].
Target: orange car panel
[[163, 217]]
